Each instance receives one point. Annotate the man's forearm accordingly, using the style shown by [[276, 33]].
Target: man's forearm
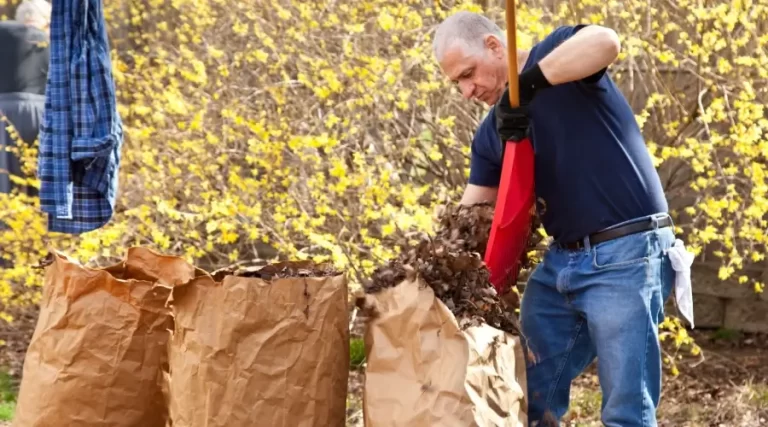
[[474, 194], [585, 53]]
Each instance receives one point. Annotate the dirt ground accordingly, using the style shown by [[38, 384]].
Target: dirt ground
[[726, 386]]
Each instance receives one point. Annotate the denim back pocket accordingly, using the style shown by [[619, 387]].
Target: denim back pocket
[[623, 251]]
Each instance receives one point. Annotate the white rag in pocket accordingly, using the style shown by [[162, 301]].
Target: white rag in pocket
[[682, 260]]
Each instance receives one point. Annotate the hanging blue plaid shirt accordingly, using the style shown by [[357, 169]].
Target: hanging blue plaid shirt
[[82, 133]]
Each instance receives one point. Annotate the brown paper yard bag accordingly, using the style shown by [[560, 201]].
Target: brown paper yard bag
[[250, 351], [98, 352], [423, 370]]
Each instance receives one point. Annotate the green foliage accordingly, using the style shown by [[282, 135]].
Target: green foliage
[[725, 334], [7, 392], [356, 353], [7, 397], [7, 410]]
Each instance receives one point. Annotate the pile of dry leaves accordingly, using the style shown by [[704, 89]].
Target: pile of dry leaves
[[451, 263], [278, 270]]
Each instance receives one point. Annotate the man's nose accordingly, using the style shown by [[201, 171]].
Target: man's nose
[[467, 89]]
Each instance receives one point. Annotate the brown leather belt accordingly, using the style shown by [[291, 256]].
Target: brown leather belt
[[615, 233]]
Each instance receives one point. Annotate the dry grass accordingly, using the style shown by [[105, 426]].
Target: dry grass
[[741, 405]]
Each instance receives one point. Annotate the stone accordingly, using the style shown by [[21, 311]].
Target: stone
[[704, 281], [708, 311], [747, 316]]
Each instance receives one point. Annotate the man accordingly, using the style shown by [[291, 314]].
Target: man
[[600, 289], [24, 54]]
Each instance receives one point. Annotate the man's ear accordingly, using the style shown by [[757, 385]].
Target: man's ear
[[494, 45]]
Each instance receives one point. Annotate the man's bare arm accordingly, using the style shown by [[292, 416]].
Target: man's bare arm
[[476, 194], [587, 52]]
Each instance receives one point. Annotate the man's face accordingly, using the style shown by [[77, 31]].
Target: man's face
[[479, 75]]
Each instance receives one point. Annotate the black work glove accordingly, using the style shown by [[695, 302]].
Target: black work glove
[[511, 123]]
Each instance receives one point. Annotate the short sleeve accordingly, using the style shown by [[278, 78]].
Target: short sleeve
[[558, 36], [485, 161]]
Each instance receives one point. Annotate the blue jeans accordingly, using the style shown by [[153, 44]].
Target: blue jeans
[[603, 302]]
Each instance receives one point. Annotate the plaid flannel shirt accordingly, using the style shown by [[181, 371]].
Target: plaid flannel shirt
[[82, 133]]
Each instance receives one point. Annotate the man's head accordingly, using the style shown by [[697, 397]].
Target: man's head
[[35, 13], [472, 52]]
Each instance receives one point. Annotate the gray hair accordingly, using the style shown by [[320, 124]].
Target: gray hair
[[467, 28], [34, 12]]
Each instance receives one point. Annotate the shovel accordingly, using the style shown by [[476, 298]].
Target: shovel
[[511, 226]]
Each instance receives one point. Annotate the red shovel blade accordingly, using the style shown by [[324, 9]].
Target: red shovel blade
[[512, 216]]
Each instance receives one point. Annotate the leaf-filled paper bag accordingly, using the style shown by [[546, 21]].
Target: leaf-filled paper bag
[[271, 349], [424, 370]]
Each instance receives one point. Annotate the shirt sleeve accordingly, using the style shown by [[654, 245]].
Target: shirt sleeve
[[485, 161], [561, 34]]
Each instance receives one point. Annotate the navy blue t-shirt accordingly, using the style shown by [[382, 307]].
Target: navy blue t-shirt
[[592, 167]]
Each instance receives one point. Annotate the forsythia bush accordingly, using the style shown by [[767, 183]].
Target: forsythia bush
[[324, 129]]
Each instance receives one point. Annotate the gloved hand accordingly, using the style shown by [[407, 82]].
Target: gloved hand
[[511, 123]]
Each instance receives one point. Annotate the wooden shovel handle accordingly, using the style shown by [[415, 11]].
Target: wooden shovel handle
[[514, 89]]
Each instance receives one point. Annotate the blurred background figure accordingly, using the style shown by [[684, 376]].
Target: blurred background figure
[[24, 56]]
